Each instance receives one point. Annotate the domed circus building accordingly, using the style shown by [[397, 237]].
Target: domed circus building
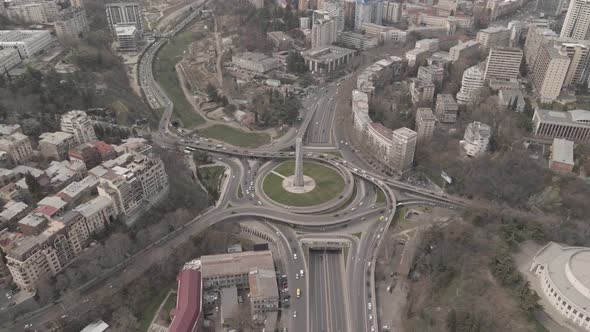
[[564, 273]]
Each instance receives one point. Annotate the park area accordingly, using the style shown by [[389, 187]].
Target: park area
[[328, 184]]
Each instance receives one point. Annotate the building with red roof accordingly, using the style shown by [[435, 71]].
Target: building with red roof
[[187, 316]]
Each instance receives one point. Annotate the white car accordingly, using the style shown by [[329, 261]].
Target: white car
[[294, 256], [297, 276], [370, 306], [294, 314]]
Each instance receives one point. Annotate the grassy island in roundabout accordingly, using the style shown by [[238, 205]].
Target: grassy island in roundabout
[[328, 184]]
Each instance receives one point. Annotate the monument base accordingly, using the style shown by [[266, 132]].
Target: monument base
[[308, 185]]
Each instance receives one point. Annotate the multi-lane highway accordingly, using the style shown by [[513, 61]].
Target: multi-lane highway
[[326, 291]]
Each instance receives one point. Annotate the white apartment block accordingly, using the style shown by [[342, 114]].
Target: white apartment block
[[78, 124], [357, 41], [417, 56], [476, 139], [434, 74], [550, 72], [384, 33], [536, 37], [579, 68], [421, 91], [8, 59], [335, 10], [367, 11], [577, 20], [493, 37], [571, 125], [446, 108], [402, 149], [71, 23], [503, 63], [425, 122], [323, 30], [17, 146], [26, 42], [97, 213]]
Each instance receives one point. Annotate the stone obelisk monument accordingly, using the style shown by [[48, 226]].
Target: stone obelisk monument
[[298, 181]]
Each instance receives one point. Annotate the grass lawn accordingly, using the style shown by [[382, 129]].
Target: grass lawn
[[164, 315], [380, 195], [168, 56], [329, 184], [150, 310], [235, 136]]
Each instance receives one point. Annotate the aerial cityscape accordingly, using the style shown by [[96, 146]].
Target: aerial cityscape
[[294, 165]]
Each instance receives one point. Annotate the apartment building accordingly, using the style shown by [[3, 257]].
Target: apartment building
[[233, 269], [367, 11], [327, 59], [577, 20], [579, 68], [335, 10], [33, 11], [86, 153], [417, 56], [446, 108], [71, 23], [403, 149], [392, 12], [27, 42], [255, 62], [17, 146], [323, 29], [425, 122], [562, 156], [264, 294], [421, 91], [56, 145], [493, 37], [98, 213], [468, 51], [8, 59], [503, 63], [357, 41], [536, 37], [78, 124], [550, 72], [434, 74], [476, 139], [384, 33]]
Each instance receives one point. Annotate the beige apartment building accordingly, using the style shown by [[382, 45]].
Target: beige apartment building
[[323, 29], [56, 145], [550, 72], [71, 23], [465, 51], [402, 149], [493, 37], [17, 146], [78, 124], [577, 20], [233, 269], [571, 125], [503, 63], [425, 122], [446, 108]]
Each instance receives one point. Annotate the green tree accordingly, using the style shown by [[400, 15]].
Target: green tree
[[212, 92], [296, 63], [34, 186]]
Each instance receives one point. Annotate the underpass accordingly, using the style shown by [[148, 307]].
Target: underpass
[[326, 291]]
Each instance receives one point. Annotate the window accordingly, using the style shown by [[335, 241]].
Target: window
[[569, 307]]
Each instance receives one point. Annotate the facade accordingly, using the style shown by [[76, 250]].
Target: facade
[[579, 68], [434, 74], [577, 20], [8, 59], [511, 99], [536, 37], [562, 273], [503, 63], [97, 213], [255, 62], [71, 23], [417, 56], [500, 8], [403, 149], [335, 9], [476, 139], [421, 91], [56, 145], [571, 125], [562, 155], [86, 153], [17, 146], [26, 42], [370, 11], [33, 11], [78, 124], [392, 12], [328, 58], [323, 30], [384, 33], [550, 72], [493, 37], [425, 122], [357, 41], [264, 294], [233, 269], [464, 51], [430, 44], [124, 13], [127, 37], [446, 108]]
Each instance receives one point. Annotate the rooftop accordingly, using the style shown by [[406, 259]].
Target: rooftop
[[20, 35], [405, 132], [327, 53], [11, 209], [188, 301], [125, 30], [576, 116], [93, 206], [562, 151], [263, 284], [236, 263], [32, 220], [55, 138]]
